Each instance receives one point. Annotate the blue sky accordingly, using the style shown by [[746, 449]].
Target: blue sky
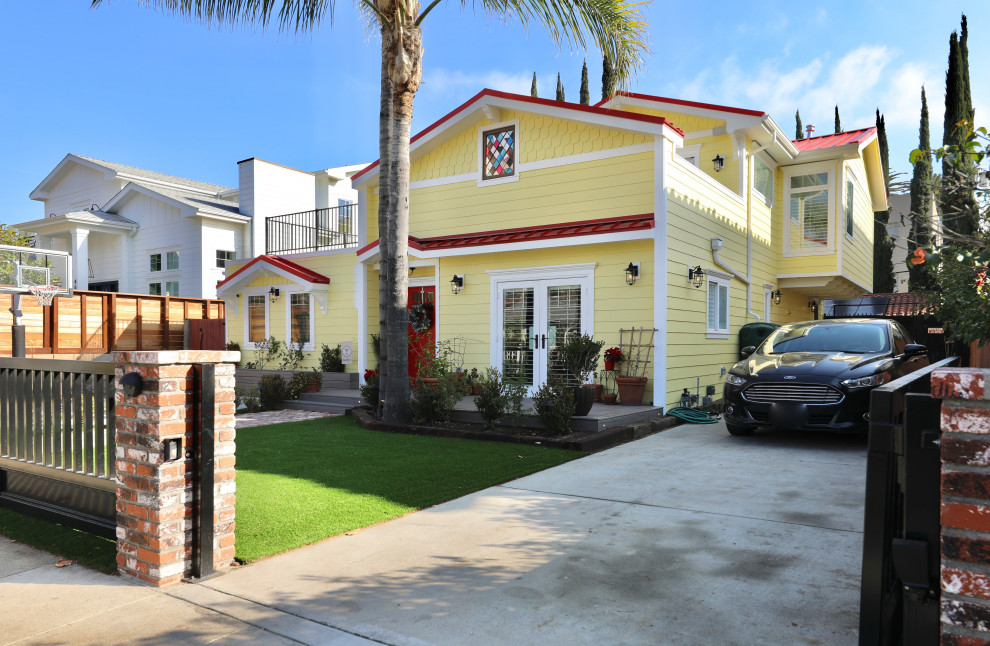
[[138, 87]]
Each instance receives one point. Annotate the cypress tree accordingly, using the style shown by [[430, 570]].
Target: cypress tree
[[608, 78], [883, 247], [560, 88], [838, 124], [532, 88], [964, 60], [585, 95], [799, 128], [921, 202], [960, 213]]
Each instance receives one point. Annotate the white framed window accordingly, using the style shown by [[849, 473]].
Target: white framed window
[[256, 321], [172, 288], [223, 257], [850, 194], [691, 154], [763, 180], [172, 260], [498, 153], [300, 320], [809, 210], [717, 316], [155, 262], [155, 289]]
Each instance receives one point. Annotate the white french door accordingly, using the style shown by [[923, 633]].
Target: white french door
[[533, 316]]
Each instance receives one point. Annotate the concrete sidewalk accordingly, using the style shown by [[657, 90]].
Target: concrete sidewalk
[[687, 537]]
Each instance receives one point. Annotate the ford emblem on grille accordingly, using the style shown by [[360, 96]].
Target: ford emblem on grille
[[790, 377]]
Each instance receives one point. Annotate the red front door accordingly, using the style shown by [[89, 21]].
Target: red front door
[[422, 330]]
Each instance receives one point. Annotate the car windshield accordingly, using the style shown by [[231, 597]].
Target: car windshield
[[859, 338]]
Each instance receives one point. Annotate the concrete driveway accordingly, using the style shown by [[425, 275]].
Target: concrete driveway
[[690, 536], [686, 537]]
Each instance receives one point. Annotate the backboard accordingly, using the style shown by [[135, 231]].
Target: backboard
[[22, 267]]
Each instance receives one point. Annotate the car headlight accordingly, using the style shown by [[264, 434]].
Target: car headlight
[[734, 380], [867, 382]]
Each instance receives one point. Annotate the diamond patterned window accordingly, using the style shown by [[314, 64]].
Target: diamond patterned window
[[500, 153]]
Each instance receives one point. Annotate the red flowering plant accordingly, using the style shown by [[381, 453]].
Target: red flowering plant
[[369, 390], [613, 354]]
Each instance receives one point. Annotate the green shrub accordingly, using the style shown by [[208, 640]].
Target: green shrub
[[291, 356], [431, 401], [492, 401], [301, 381], [265, 352], [369, 389], [272, 391], [578, 354], [330, 359], [499, 397], [554, 404], [248, 398]]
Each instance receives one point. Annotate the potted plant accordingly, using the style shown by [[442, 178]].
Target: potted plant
[[612, 355], [578, 355], [369, 391]]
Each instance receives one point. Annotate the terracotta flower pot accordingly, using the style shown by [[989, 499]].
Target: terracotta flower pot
[[631, 390], [609, 398], [598, 392]]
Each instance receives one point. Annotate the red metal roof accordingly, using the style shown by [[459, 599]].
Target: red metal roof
[[577, 107], [619, 224], [689, 104], [299, 271], [830, 141]]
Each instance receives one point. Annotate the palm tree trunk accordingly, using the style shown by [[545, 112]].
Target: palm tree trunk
[[403, 48], [384, 137]]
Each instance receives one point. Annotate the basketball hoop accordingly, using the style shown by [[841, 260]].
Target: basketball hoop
[[44, 294]]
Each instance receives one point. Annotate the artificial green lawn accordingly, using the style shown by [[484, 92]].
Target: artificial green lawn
[[301, 482], [88, 549]]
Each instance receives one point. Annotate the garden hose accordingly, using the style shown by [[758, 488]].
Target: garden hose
[[693, 416]]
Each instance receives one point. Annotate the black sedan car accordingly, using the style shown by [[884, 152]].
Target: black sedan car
[[817, 375]]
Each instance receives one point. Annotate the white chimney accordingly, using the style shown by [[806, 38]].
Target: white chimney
[[810, 129]]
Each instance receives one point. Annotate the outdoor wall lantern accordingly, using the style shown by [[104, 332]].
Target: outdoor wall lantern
[[273, 294], [696, 275], [132, 384], [719, 163], [812, 305], [457, 283], [632, 273], [775, 295]]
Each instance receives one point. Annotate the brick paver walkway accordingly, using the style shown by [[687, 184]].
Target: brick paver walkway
[[247, 420]]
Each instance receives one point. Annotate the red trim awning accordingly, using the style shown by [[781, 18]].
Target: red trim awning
[[600, 226], [838, 139], [297, 270]]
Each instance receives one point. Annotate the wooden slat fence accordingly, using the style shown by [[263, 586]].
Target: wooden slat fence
[[98, 322]]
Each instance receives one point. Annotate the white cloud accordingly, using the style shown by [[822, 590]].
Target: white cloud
[[456, 83]]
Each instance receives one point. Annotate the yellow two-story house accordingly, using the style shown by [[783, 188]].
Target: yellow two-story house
[[531, 219]]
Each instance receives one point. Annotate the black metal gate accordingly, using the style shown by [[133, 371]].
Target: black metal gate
[[57, 449], [899, 594]]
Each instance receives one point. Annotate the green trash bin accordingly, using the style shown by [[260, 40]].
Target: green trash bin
[[752, 334]]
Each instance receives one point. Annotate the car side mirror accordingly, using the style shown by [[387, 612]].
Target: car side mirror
[[748, 350], [912, 349]]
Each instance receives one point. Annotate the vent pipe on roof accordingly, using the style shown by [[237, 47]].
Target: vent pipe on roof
[[810, 129]]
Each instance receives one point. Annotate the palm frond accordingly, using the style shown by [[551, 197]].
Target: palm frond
[[291, 15], [617, 27]]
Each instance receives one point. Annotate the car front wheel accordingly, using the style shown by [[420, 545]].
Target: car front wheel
[[740, 431]]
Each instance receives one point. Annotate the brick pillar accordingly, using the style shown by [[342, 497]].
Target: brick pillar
[[965, 504], [156, 499]]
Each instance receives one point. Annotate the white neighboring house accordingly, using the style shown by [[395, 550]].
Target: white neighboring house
[[899, 229], [138, 231]]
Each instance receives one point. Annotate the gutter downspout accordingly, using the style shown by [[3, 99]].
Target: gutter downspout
[[717, 242]]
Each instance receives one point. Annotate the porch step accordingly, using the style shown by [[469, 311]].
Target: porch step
[[327, 400]]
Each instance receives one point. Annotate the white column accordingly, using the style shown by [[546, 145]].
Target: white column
[[80, 258], [361, 304], [662, 152], [126, 281]]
